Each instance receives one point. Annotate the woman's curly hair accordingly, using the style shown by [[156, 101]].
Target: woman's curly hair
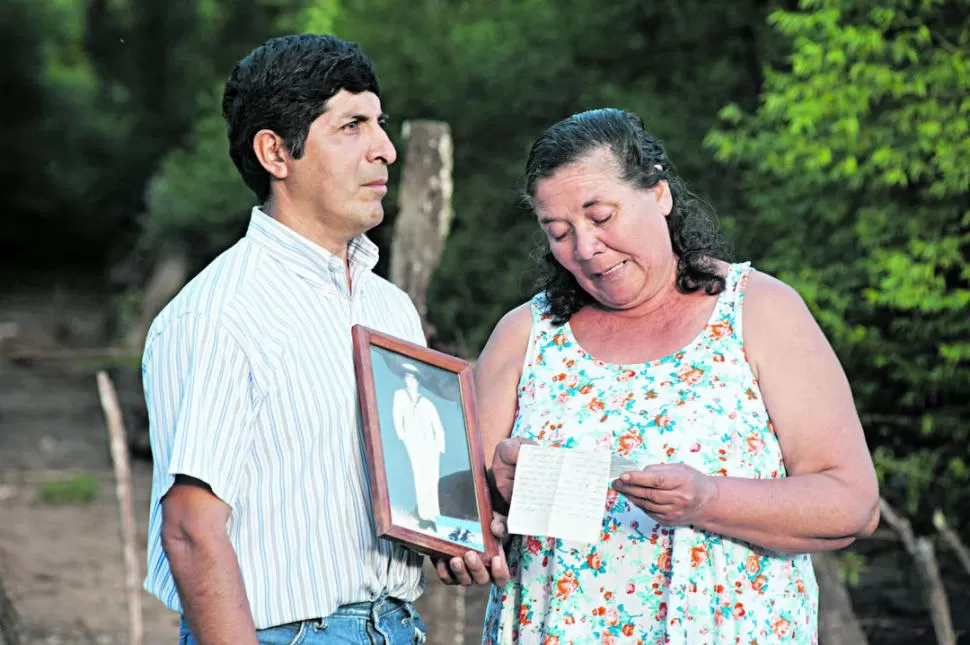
[[694, 232]]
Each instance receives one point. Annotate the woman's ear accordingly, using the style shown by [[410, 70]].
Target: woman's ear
[[271, 151], [664, 197]]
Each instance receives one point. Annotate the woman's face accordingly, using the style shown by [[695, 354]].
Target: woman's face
[[610, 235]]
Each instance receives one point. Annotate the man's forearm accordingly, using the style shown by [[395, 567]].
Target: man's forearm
[[211, 589]]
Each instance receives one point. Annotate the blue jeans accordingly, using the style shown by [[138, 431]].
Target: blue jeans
[[386, 621]]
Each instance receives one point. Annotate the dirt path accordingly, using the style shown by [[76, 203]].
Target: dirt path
[[63, 566]]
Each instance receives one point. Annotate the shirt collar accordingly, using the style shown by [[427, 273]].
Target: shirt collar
[[308, 259]]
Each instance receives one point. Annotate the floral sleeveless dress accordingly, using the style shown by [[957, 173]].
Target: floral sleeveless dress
[[642, 582]]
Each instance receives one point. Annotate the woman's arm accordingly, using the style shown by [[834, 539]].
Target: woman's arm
[[497, 375], [831, 494]]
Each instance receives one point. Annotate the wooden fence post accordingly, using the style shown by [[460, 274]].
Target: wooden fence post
[[119, 456]]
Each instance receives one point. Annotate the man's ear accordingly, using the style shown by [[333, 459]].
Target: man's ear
[[271, 151], [664, 197]]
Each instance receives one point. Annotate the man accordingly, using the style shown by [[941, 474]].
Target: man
[[261, 529], [418, 426]]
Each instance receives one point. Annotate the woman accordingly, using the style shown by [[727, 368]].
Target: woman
[[418, 426], [713, 378]]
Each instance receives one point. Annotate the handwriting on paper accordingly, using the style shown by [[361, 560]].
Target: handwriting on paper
[[559, 492]]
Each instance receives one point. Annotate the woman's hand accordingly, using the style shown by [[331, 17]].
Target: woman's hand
[[503, 466], [672, 494]]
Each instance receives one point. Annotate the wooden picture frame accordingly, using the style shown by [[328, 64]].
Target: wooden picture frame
[[416, 404]]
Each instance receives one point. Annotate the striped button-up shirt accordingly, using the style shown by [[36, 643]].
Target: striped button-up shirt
[[249, 384]]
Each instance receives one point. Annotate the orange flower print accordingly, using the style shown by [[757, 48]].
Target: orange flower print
[[608, 595], [758, 584], [551, 640], [566, 585], [559, 339], [650, 395], [570, 363], [524, 614], [628, 442], [691, 376], [563, 397], [698, 556], [662, 611], [594, 561], [662, 421], [561, 376], [595, 405], [751, 394], [585, 389], [569, 619], [800, 585], [781, 627], [599, 611], [607, 638], [670, 451], [739, 610], [627, 630], [664, 561], [752, 565], [755, 444], [719, 330]]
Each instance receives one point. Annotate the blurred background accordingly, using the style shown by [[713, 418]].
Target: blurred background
[[831, 136]]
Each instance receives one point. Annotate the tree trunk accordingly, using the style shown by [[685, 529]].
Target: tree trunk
[[837, 622], [9, 622], [424, 216]]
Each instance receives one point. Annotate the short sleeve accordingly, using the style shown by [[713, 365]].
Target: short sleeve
[[201, 399]]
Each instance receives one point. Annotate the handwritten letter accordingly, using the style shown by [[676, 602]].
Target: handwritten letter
[[559, 492]]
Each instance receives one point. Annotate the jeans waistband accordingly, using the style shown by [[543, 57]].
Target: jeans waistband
[[371, 608]]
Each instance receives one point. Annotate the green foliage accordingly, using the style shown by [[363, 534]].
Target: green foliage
[[196, 198], [501, 72], [855, 164], [79, 489]]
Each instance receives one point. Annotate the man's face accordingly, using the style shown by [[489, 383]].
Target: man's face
[[342, 175]]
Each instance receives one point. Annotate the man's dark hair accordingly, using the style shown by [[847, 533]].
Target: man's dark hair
[[283, 85], [642, 162]]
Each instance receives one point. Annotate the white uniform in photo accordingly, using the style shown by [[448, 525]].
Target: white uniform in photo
[[418, 426]]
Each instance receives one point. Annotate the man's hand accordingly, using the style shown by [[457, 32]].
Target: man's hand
[[672, 494], [470, 569]]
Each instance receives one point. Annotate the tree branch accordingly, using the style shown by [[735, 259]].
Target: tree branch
[[921, 549], [952, 540]]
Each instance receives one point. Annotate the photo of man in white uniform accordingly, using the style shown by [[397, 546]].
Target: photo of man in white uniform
[[418, 426]]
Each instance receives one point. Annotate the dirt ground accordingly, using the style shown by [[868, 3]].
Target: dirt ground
[[63, 563]]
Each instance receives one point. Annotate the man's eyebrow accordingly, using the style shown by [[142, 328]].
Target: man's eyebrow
[[591, 202], [363, 118]]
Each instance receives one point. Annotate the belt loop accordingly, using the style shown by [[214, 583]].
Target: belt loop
[[375, 617], [413, 619]]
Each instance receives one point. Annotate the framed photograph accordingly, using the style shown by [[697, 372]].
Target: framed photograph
[[424, 452]]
